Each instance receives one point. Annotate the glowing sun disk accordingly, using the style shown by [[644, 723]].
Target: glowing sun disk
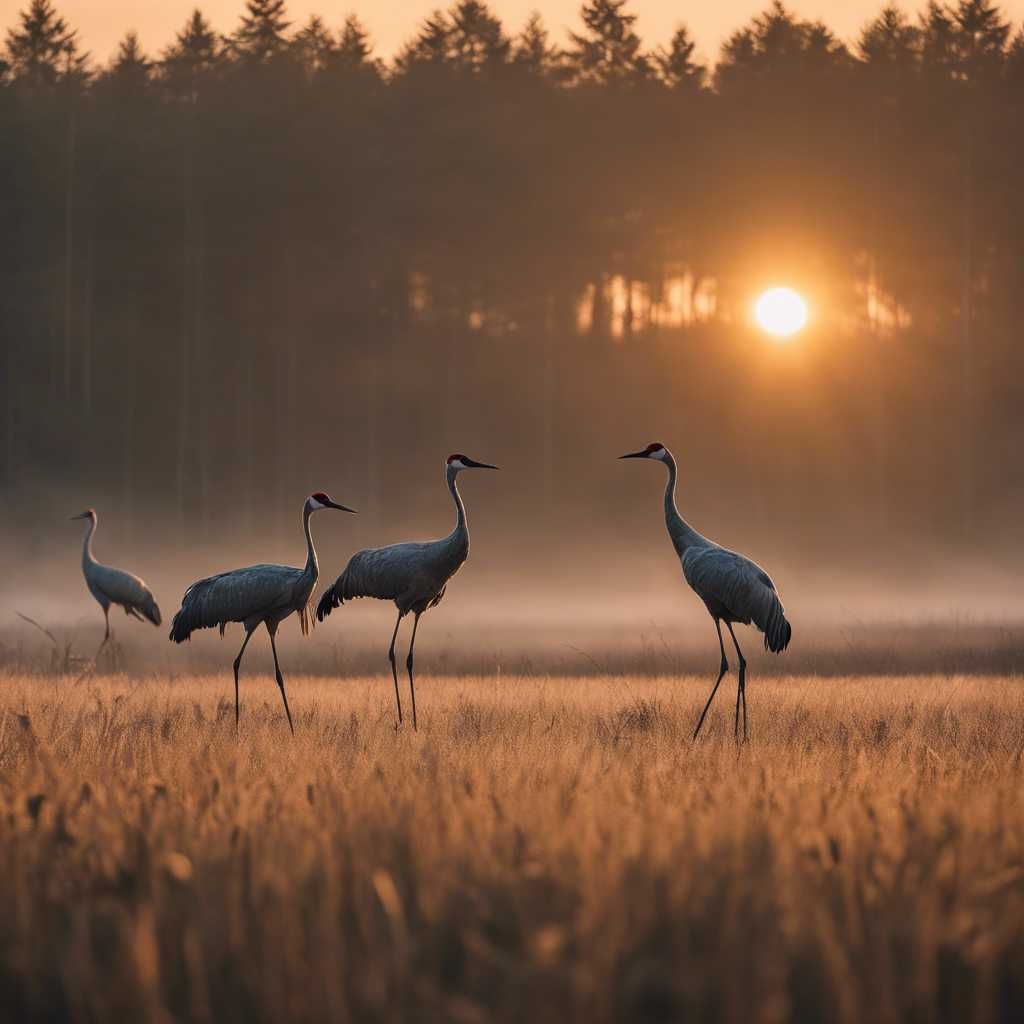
[[780, 311]]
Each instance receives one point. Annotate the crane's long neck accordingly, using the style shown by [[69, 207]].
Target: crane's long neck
[[312, 568], [460, 535], [87, 556], [682, 533]]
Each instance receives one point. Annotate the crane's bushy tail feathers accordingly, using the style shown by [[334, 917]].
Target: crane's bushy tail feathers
[[330, 600], [190, 617], [181, 627], [778, 632]]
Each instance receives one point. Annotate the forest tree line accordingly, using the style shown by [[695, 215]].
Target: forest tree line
[[243, 258]]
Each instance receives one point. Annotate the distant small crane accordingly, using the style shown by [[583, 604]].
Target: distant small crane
[[114, 586], [265, 594], [732, 587], [413, 575]]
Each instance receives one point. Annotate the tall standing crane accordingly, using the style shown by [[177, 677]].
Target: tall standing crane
[[732, 587], [258, 594], [114, 586], [413, 575]]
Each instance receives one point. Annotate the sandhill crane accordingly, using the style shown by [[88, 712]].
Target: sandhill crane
[[413, 575], [265, 594], [733, 588], [114, 586]]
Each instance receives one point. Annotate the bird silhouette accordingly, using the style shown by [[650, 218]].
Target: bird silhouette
[[732, 587], [413, 575], [114, 586], [265, 594]]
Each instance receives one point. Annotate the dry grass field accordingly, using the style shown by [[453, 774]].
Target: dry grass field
[[544, 849]]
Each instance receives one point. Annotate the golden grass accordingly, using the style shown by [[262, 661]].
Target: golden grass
[[543, 849]]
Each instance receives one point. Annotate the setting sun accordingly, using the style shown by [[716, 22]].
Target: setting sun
[[780, 311]]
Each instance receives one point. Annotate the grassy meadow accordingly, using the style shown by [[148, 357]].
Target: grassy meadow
[[543, 849]]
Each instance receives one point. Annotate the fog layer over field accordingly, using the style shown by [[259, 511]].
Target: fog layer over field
[[608, 596]]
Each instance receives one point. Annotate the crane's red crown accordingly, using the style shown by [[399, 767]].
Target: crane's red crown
[[321, 497], [457, 455], [653, 447]]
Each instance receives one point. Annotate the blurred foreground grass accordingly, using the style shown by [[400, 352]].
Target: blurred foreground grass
[[544, 848]]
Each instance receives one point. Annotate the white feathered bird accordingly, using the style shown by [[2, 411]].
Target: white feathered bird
[[732, 587], [114, 586]]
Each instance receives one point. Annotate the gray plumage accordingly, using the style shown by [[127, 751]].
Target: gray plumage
[[732, 587], [412, 575], [256, 595], [114, 586], [735, 589]]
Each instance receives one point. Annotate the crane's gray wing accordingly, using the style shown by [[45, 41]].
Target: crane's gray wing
[[399, 572], [733, 586], [125, 589], [234, 597]]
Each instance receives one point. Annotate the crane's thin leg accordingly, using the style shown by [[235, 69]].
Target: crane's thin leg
[[106, 635], [281, 678], [394, 670], [238, 661], [741, 687], [736, 717], [722, 669], [408, 665]]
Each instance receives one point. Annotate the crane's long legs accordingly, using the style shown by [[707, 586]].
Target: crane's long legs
[[722, 669], [280, 679], [408, 665], [741, 689], [238, 661], [394, 670]]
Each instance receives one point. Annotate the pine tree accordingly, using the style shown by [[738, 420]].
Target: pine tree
[[192, 57], [262, 35], [890, 40], [476, 39], [676, 66], [42, 50], [938, 46], [610, 49], [533, 49], [777, 45], [980, 36], [431, 45], [354, 46], [314, 45], [131, 68], [821, 47]]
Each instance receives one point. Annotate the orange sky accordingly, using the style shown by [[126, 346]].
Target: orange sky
[[102, 22]]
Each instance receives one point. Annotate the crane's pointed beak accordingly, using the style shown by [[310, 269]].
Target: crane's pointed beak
[[635, 455], [342, 508], [81, 515], [473, 464]]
